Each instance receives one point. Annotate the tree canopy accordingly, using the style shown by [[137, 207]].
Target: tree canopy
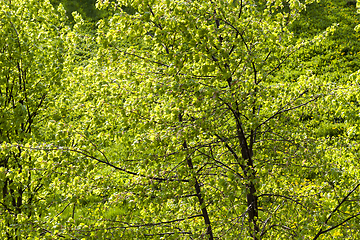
[[179, 120]]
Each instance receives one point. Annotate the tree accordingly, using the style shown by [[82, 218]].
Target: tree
[[193, 120], [31, 58], [210, 132]]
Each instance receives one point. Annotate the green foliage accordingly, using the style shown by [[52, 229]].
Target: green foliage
[[179, 120], [31, 64], [85, 7], [192, 67]]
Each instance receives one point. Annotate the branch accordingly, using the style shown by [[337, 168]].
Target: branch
[[169, 233], [286, 197], [83, 152], [263, 231], [166, 222], [135, 55], [139, 225], [329, 229], [282, 110], [333, 211]]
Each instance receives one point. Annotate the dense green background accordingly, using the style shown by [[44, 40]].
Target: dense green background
[[137, 119]]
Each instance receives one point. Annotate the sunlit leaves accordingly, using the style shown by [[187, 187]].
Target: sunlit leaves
[[32, 64], [110, 133]]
